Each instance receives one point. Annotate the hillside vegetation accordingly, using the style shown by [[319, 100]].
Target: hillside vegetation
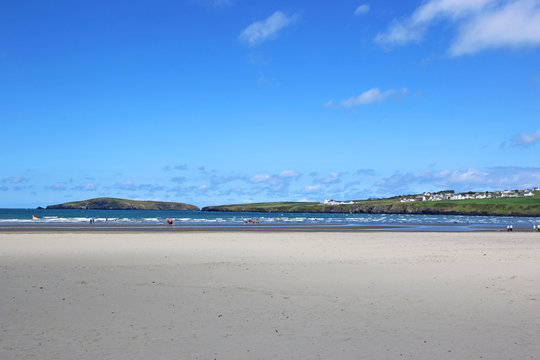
[[122, 204], [522, 206]]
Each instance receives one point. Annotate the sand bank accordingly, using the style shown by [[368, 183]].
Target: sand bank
[[249, 295]]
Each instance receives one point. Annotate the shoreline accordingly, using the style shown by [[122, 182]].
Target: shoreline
[[385, 210], [162, 228]]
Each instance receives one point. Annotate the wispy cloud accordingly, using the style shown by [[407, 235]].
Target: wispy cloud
[[282, 177], [263, 30], [125, 185], [130, 186], [372, 96], [332, 178], [86, 187], [14, 180], [57, 187], [526, 140], [179, 179], [151, 188], [218, 180], [175, 167], [312, 188], [366, 172], [362, 9], [214, 3], [481, 24]]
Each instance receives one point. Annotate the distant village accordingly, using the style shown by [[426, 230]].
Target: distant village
[[451, 195]]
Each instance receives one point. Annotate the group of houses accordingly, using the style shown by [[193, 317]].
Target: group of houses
[[451, 195], [334, 202]]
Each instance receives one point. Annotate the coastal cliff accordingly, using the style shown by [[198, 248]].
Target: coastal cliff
[[122, 204]]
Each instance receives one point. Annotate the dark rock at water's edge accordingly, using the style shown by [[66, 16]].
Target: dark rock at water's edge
[[40, 208], [123, 204]]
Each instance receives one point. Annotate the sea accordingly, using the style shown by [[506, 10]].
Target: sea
[[21, 217]]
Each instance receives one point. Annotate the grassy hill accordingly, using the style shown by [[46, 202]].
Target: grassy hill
[[123, 204], [522, 206]]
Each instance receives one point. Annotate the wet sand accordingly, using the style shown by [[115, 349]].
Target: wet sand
[[269, 295]]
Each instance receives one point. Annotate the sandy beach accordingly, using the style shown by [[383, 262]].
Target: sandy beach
[[265, 295]]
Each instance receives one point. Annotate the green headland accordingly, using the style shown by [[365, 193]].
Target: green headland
[[494, 206], [106, 203]]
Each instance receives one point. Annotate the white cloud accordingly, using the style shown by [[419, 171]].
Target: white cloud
[[454, 9], [413, 27], [525, 140], [515, 25], [288, 174], [372, 96], [260, 178], [362, 9], [260, 31], [482, 24]]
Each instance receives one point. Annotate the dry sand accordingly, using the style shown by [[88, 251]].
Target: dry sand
[[270, 296]]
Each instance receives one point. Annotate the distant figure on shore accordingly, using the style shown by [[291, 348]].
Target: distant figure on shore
[[535, 228], [169, 221]]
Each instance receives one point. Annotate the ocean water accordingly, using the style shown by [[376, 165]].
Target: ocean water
[[104, 217]]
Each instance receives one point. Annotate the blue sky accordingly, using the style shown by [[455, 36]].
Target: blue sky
[[228, 101]]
